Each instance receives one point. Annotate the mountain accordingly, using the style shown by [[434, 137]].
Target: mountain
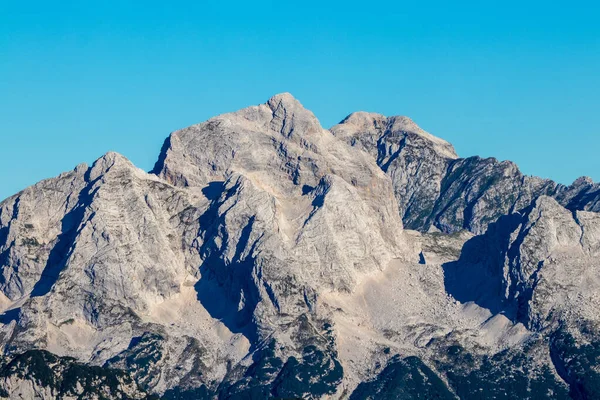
[[267, 257], [439, 192]]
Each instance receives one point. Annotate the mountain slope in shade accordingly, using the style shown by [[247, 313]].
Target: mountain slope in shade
[[265, 256]]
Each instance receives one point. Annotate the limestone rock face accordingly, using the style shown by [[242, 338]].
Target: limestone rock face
[[438, 191], [540, 265], [265, 256], [415, 160], [302, 209], [583, 194]]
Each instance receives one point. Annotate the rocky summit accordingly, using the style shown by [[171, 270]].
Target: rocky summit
[[267, 257]]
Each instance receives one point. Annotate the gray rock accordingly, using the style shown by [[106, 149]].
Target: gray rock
[[266, 256], [437, 190], [415, 160], [537, 267]]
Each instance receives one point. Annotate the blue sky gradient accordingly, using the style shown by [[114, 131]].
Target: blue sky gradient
[[505, 79]]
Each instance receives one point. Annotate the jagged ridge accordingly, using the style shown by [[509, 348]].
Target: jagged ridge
[[266, 256]]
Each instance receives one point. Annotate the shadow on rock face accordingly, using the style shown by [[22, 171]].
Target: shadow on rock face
[[227, 288], [213, 190], [306, 189], [70, 225], [232, 303], [10, 315], [478, 275]]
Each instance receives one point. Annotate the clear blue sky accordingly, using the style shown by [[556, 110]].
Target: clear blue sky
[[514, 80]]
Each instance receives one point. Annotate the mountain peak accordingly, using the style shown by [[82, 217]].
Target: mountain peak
[[397, 122], [290, 116], [285, 97], [364, 119], [287, 104], [374, 125], [402, 122], [111, 158], [107, 162], [583, 180]]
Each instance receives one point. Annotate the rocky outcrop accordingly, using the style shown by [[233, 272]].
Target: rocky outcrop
[[438, 191], [265, 256], [583, 195], [415, 160], [109, 257], [537, 267], [252, 215]]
